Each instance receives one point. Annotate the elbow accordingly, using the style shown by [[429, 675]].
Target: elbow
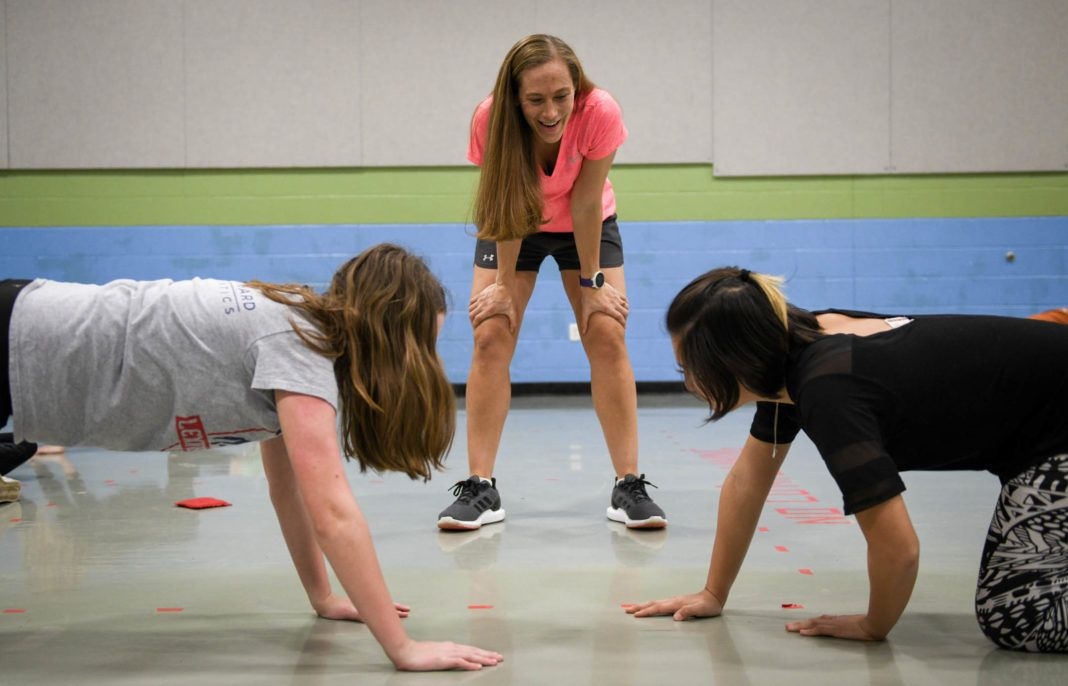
[[581, 209], [911, 556], [900, 559], [907, 555], [333, 521], [328, 525], [904, 559]]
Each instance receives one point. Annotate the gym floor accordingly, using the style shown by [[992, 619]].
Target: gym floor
[[104, 581]]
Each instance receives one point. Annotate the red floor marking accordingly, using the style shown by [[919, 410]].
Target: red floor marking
[[763, 529], [50, 504], [781, 549], [110, 482], [14, 611], [169, 609], [793, 606], [814, 515], [16, 520], [479, 607], [806, 571]]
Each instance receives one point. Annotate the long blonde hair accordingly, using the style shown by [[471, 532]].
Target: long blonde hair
[[378, 322], [508, 203]]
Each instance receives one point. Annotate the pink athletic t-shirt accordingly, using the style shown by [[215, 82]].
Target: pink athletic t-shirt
[[594, 131]]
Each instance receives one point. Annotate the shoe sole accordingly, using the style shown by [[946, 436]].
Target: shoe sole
[[487, 517], [654, 522]]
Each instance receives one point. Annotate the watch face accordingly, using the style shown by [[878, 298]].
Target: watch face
[[598, 279]]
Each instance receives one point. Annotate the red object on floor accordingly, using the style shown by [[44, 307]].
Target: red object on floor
[[782, 548], [14, 611], [479, 607], [201, 503], [806, 571], [793, 606], [169, 609]]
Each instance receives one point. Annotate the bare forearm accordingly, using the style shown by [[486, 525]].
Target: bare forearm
[[346, 541], [739, 512], [293, 521], [740, 504], [507, 256], [586, 223], [891, 576], [303, 549], [893, 561]]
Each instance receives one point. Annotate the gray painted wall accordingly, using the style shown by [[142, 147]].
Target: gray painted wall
[[758, 87]]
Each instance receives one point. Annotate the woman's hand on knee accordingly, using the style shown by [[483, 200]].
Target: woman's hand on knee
[[495, 300], [607, 300]]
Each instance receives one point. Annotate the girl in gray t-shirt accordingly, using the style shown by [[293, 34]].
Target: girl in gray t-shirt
[[190, 365]]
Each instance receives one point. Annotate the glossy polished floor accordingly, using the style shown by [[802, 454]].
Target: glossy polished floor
[[104, 581]]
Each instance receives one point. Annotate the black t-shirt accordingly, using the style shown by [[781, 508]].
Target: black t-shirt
[[942, 392]]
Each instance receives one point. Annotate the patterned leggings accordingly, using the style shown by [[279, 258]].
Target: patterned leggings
[[1022, 597]]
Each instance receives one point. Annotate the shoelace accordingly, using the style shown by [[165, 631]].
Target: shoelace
[[637, 488], [466, 489]]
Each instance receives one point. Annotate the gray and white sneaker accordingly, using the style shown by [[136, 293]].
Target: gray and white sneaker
[[477, 503], [632, 506]]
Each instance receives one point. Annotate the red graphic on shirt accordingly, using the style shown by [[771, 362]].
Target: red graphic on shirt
[[191, 433]]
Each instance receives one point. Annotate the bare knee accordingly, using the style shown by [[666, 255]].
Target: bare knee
[[605, 338], [494, 343]]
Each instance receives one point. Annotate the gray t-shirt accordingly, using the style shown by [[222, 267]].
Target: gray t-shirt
[[156, 365]]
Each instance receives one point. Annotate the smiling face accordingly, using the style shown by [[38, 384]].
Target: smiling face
[[547, 96]]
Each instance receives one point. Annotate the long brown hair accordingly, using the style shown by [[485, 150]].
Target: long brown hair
[[508, 203], [733, 327], [378, 322]]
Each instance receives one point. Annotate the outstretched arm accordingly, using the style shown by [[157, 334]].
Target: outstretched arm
[[741, 500], [300, 537], [309, 430], [893, 561]]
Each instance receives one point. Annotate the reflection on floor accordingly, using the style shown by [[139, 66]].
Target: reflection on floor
[[104, 581]]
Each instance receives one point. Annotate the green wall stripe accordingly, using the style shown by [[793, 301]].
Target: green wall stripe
[[443, 195]]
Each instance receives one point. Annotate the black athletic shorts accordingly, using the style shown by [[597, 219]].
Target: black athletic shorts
[[9, 290], [561, 246]]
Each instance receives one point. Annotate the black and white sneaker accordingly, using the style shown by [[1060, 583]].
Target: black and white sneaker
[[477, 503], [632, 506]]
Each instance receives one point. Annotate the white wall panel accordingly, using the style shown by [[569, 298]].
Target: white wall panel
[[95, 83], [980, 85], [3, 85], [801, 87], [425, 66], [273, 83], [656, 60]]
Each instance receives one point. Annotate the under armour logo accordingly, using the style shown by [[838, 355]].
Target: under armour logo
[[488, 258]]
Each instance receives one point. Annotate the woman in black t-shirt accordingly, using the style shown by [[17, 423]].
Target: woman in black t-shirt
[[879, 395]]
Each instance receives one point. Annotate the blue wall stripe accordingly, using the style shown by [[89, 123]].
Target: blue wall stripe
[[892, 265]]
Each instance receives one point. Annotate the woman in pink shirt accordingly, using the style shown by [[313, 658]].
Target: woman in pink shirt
[[545, 141]]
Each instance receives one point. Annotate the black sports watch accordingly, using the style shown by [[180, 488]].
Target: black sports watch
[[597, 281]]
